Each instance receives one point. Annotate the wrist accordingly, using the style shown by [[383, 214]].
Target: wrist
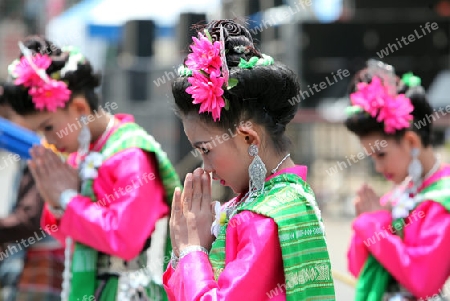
[[64, 200], [66, 196], [174, 260], [192, 248]]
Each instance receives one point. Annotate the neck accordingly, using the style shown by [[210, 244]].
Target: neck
[[427, 159], [99, 125], [274, 159]]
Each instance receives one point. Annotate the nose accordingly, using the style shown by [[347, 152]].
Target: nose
[[378, 166], [49, 139], [207, 166]]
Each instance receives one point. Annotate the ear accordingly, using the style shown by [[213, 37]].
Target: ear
[[412, 139], [79, 105], [249, 132]]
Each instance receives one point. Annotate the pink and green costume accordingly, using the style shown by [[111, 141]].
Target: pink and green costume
[[116, 213], [273, 248], [415, 255]]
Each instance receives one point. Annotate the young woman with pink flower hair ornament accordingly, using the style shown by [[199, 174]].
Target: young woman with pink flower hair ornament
[[400, 245], [268, 243], [111, 198]]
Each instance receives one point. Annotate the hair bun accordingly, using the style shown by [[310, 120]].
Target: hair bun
[[236, 37], [231, 29]]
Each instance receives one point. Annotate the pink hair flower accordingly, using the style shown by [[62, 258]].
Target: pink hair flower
[[25, 73], [396, 113], [50, 95], [370, 97], [205, 55], [207, 92]]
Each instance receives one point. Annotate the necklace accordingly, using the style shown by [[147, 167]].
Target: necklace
[[246, 198], [402, 193], [433, 169], [281, 162], [109, 126]]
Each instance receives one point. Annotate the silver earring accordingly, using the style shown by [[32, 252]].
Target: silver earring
[[257, 171], [84, 138], [415, 167]]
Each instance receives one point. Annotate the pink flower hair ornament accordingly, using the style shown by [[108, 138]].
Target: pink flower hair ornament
[[30, 71], [375, 99], [208, 73]]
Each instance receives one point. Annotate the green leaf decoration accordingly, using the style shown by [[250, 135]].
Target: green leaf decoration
[[250, 64], [184, 71], [208, 35], [232, 82], [350, 111], [227, 104], [411, 80]]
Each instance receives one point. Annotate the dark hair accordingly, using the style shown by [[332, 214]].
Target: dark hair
[[362, 124], [2, 97], [263, 93], [82, 81]]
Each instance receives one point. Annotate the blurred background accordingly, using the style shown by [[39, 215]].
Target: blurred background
[[139, 44]]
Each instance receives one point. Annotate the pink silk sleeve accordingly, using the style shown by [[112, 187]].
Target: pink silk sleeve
[[420, 262], [356, 255], [130, 199], [254, 269]]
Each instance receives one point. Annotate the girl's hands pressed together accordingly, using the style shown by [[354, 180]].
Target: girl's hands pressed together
[[52, 176], [191, 217], [367, 201]]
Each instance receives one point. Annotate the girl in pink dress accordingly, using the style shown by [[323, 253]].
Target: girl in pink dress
[[109, 210], [268, 242], [400, 246]]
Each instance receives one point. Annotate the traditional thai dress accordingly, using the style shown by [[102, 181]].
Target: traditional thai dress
[[273, 248], [407, 255], [121, 211]]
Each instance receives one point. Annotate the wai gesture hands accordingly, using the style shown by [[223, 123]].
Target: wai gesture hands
[[192, 217]]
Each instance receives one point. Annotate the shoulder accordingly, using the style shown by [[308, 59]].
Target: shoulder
[[129, 135], [251, 222]]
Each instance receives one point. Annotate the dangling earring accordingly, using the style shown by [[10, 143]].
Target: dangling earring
[[84, 138], [257, 171], [415, 167]]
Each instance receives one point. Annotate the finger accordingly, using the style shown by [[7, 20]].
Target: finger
[[50, 162], [206, 192], [197, 190], [176, 208], [186, 196], [42, 162]]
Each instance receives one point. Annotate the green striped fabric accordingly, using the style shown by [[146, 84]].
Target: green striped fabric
[[130, 135], [290, 202]]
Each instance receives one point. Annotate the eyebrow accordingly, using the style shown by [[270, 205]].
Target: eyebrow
[[197, 144], [43, 122]]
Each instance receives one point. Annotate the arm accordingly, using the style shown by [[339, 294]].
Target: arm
[[420, 262], [253, 274], [24, 221], [131, 199]]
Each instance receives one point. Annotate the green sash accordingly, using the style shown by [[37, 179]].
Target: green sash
[[290, 202], [374, 279], [84, 263]]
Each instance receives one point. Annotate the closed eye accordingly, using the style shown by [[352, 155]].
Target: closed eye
[[48, 128], [205, 151]]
